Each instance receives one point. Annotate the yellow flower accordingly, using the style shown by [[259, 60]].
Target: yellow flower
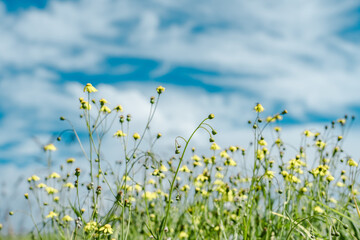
[[163, 168], [229, 162], [149, 195], [183, 235], [49, 147], [201, 178], [219, 175], [224, 154], [269, 174], [303, 189], [259, 108], [90, 226], [318, 209], [56, 199], [70, 160], [51, 190], [89, 88], [342, 121], [1, 226], [184, 169], [52, 214], [262, 142], [41, 185], [260, 154], [119, 134], [160, 89], [233, 148], [320, 144], [118, 108], [67, 218], [136, 136], [352, 163], [307, 133], [151, 181], [102, 101], [277, 129], [106, 229], [333, 200], [85, 105], [214, 146], [330, 178], [270, 119], [69, 185], [105, 109], [340, 184], [185, 188], [138, 188], [54, 175], [35, 178]]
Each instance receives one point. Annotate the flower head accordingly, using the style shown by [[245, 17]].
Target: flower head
[[160, 89], [67, 218], [54, 175], [119, 134], [89, 88], [136, 136], [49, 147], [259, 108], [106, 229], [105, 109], [52, 214]]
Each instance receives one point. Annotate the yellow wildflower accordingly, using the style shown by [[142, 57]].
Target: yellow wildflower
[[318, 209], [149, 195], [35, 178], [49, 147], [89, 88], [69, 185], [105, 109], [262, 142], [224, 154], [352, 163], [102, 101], [85, 105], [219, 175], [41, 185], [70, 160], [233, 148], [138, 188], [106, 229], [90, 227], [160, 89], [185, 188], [67, 218], [52, 214], [184, 169], [229, 162], [214, 146], [54, 175], [183, 235], [51, 190], [307, 133], [119, 134], [320, 144], [340, 184], [269, 174], [118, 108], [259, 108], [136, 136]]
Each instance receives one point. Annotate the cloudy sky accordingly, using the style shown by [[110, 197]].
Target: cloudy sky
[[218, 57]]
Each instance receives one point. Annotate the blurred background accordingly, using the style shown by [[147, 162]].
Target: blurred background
[[218, 57]]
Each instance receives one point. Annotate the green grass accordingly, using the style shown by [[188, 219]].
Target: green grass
[[270, 190]]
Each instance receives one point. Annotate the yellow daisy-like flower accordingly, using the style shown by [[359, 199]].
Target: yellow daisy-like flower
[[163, 168], [118, 108], [70, 160], [185, 188], [35, 178], [214, 146], [119, 134], [219, 175], [106, 229], [340, 184], [319, 209], [160, 89], [89, 88], [151, 181], [50, 147], [259, 108], [90, 226], [41, 185], [307, 133], [52, 214], [233, 149], [138, 188], [183, 235], [269, 174], [54, 175], [136, 136], [67, 218], [149, 195], [102, 101], [85, 105], [51, 190], [320, 144], [105, 109], [262, 142], [352, 163], [184, 169], [229, 162], [69, 185]]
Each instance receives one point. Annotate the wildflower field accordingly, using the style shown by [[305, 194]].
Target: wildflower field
[[266, 190]]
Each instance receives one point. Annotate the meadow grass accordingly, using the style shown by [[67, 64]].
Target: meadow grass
[[261, 192]]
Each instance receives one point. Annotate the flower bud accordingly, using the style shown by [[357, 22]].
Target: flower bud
[[211, 116]]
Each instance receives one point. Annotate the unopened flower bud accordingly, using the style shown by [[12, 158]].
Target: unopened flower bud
[[77, 172], [128, 118], [152, 100], [211, 116]]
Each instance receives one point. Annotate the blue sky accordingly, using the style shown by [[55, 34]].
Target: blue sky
[[219, 57]]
